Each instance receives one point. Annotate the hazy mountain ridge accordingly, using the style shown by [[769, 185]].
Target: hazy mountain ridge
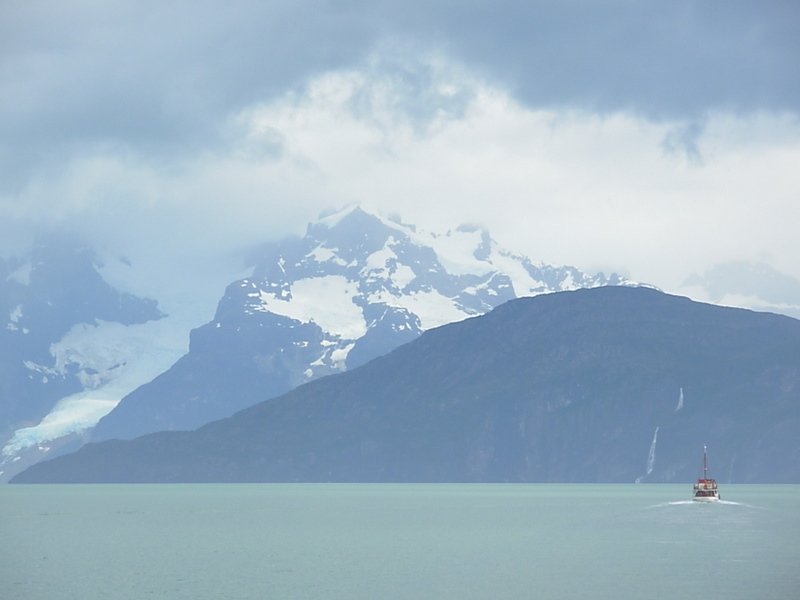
[[749, 284], [356, 286], [611, 384]]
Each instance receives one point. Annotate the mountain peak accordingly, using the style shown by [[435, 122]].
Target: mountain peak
[[331, 219], [352, 231], [356, 220]]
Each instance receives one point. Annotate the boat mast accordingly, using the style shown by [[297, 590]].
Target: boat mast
[[705, 463]]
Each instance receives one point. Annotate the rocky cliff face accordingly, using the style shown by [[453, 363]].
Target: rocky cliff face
[[611, 384]]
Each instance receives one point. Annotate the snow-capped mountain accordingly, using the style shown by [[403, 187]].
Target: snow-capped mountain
[[356, 286], [70, 348], [369, 284]]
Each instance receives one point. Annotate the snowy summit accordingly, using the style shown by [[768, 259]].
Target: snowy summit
[[356, 274]]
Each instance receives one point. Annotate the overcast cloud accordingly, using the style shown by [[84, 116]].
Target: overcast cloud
[[657, 139]]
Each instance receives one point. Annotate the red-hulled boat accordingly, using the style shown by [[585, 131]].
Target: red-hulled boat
[[706, 489]]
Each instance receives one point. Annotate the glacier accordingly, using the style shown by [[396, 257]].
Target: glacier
[[113, 342], [111, 360]]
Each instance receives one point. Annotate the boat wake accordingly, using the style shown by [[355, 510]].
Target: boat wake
[[695, 503], [728, 502]]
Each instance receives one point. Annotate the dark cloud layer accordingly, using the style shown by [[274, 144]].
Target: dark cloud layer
[[160, 77], [662, 59]]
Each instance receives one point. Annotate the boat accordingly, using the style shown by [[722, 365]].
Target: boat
[[706, 489]]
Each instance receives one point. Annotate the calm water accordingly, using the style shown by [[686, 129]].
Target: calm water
[[397, 541]]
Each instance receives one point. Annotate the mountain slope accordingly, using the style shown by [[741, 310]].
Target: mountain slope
[[611, 384], [354, 287]]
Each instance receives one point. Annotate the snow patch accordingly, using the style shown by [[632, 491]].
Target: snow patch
[[13, 319], [322, 255], [326, 301], [524, 284], [380, 260], [339, 356], [32, 366], [432, 308], [403, 276], [16, 314], [568, 284], [456, 252]]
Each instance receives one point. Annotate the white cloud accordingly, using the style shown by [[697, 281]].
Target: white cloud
[[564, 186]]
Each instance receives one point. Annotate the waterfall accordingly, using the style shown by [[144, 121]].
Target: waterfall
[[651, 457], [680, 401]]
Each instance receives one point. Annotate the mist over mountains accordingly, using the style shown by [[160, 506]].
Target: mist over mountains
[[612, 384], [356, 286]]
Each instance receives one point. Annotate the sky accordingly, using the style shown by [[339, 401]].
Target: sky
[[654, 139]]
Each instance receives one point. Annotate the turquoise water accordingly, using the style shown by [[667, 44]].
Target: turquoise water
[[397, 541]]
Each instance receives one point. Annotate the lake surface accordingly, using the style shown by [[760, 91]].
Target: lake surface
[[353, 541]]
